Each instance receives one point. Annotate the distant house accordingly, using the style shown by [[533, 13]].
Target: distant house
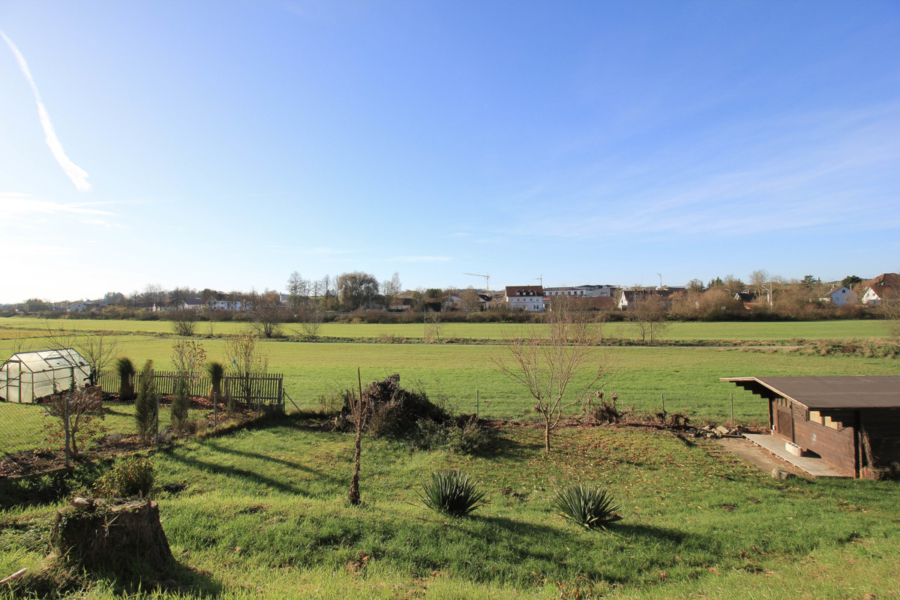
[[886, 285], [79, 307], [193, 304], [841, 296], [582, 291], [662, 295], [402, 304], [227, 305], [524, 297]]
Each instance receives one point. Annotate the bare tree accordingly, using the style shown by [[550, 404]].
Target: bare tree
[[889, 308], [359, 410], [310, 321], [758, 280], [647, 315], [153, 294], [97, 348], [267, 315], [557, 363], [188, 358], [245, 360], [297, 289], [469, 300], [435, 329], [184, 322], [390, 289]]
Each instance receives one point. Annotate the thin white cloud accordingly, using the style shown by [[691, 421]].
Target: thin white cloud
[[317, 251], [420, 259], [13, 204], [75, 173], [101, 223]]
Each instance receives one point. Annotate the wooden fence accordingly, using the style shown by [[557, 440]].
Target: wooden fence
[[253, 387]]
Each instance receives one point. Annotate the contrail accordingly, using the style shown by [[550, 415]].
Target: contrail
[[76, 174]]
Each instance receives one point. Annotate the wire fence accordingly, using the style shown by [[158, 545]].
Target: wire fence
[[67, 428]]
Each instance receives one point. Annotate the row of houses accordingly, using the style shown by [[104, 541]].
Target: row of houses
[[536, 298]]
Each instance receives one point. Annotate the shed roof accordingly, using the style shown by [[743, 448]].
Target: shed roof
[[48, 360], [827, 393]]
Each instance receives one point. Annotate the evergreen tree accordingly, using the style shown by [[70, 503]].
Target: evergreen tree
[[181, 403], [145, 404]]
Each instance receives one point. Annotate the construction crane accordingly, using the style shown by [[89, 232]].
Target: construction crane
[[487, 279]]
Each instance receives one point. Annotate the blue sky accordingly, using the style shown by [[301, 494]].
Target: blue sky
[[227, 144]]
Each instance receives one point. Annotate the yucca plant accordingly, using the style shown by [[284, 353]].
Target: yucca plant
[[586, 505], [452, 493], [216, 372], [125, 369]]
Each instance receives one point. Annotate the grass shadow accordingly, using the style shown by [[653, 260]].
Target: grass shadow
[[265, 457], [228, 471]]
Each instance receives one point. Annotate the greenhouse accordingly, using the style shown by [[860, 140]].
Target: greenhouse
[[30, 376]]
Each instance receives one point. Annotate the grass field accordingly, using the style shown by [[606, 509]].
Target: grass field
[[742, 332], [687, 378], [264, 515]]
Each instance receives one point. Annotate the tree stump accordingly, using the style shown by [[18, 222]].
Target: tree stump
[[101, 536]]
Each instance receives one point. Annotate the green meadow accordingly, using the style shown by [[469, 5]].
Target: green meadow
[[465, 377], [726, 331], [264, 515]]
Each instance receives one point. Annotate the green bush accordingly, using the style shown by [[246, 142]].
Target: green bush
[[128, 478], [586, 505], [452, 493]]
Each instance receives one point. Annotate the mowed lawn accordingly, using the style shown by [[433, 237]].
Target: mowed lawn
[[264, 515], [728, 332]]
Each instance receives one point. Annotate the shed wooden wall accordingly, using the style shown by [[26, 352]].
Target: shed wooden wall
[[883, 429], [838, 448]]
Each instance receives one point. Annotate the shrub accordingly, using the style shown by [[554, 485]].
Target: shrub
[[126, 371], [465, 437], [85, 415], [586, 505], [145, 404], [128, 478], [452, 493]]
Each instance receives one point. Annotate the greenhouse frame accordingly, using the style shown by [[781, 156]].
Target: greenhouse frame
[[29, 376]]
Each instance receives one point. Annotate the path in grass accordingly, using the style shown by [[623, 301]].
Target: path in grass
[[264, 515]]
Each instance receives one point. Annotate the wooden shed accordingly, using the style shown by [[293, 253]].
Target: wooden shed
[[853, 423]]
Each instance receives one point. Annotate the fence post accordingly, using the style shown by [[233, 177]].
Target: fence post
[[157, 419], [476, 403], [663, 398], [66, 423], [215, 411]]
